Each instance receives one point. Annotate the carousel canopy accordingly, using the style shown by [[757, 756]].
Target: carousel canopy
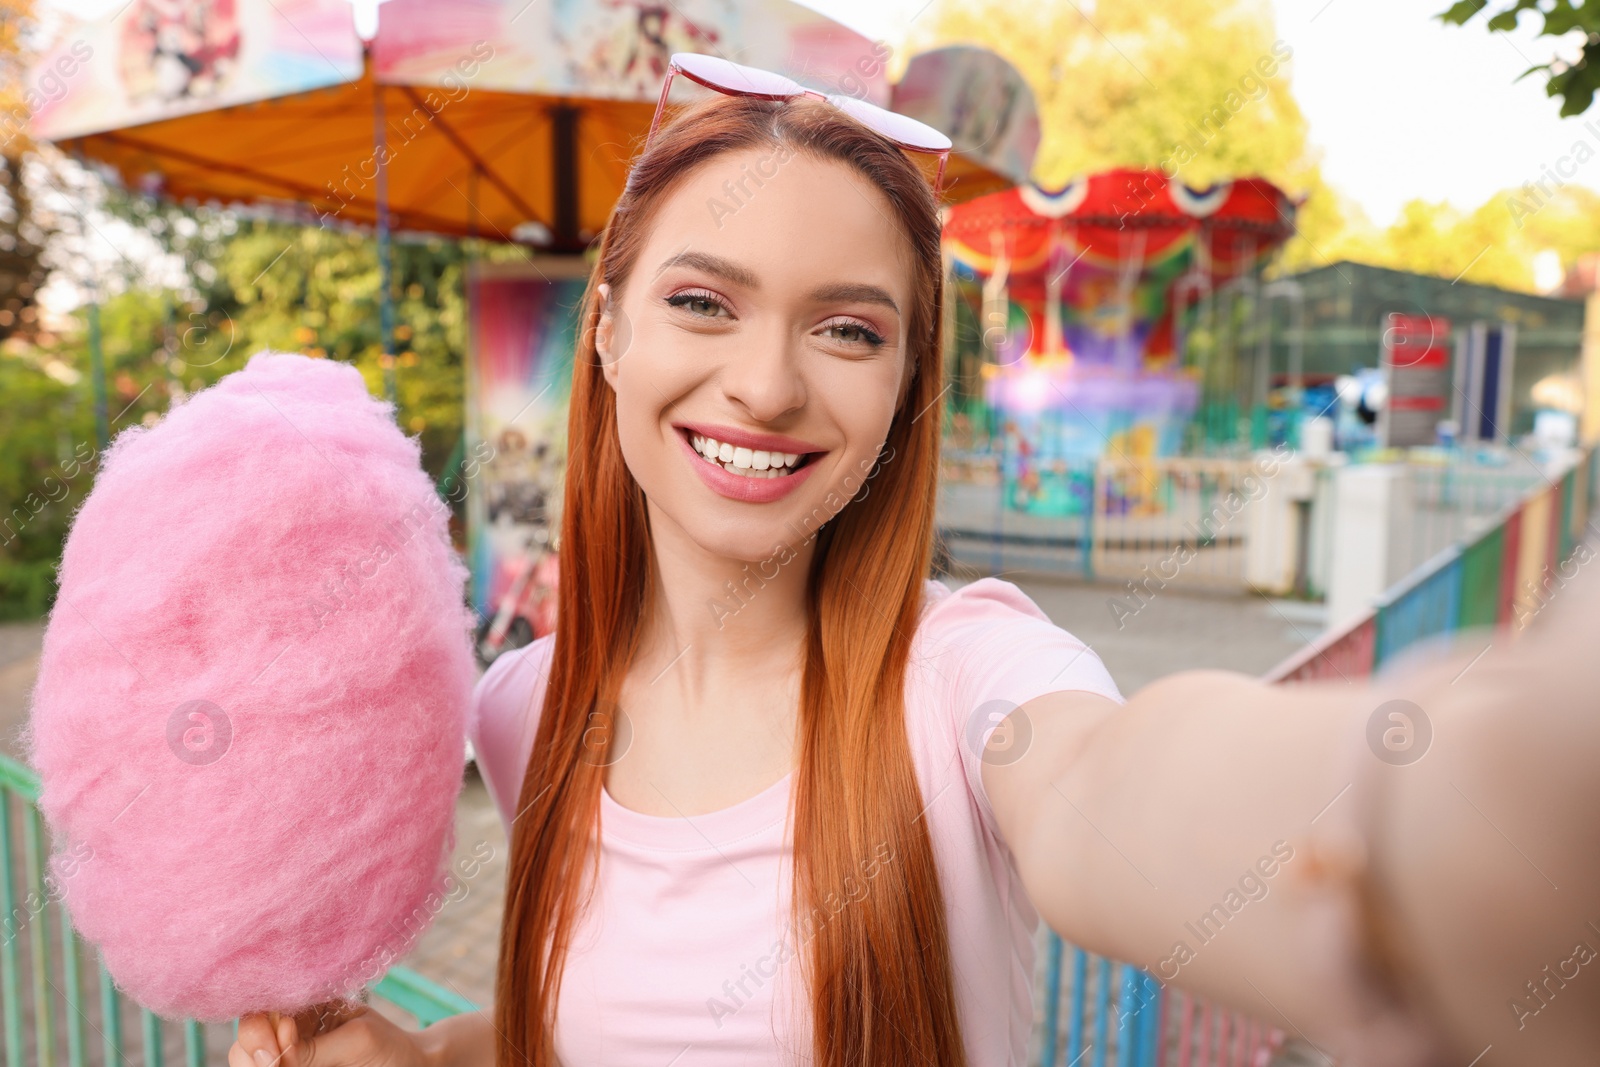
[[1120, 221], [1088, 294]]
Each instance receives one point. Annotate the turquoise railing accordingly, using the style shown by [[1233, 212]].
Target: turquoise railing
[[43, 996]]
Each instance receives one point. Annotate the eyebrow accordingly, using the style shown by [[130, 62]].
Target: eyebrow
[[733, 272], [724, 268], [855, 291]]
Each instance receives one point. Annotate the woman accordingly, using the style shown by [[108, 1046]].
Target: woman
[[833, 797]]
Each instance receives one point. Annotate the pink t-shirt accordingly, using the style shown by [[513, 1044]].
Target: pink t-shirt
[[686, 957]]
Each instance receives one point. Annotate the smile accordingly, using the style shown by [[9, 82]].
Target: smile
[[747, 462], [747, 474]]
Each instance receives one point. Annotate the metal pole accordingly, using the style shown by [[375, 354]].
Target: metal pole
[[385, 270], [564, 177], [97, 365], [1052, 1002]]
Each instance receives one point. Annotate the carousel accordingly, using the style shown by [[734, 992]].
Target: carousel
[[1122, 316]]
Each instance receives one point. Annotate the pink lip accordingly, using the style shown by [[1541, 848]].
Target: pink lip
[[765, 442], [737, 486]]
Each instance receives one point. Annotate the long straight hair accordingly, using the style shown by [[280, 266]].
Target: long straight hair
[[877, 968]]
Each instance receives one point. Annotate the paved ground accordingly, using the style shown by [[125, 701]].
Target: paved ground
[[1177, 629]]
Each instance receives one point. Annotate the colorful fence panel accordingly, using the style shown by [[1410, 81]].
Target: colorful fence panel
[[1426, 604], [1583, 493], [1512, 545], [1480, 580], [1569, 531], [1118, 1014], [1533, 555], [1557, 505], [1497, 579], [1502, 577], [1349, 655]]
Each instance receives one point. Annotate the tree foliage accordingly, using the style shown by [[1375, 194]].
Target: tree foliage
[[247, 283], [22, 238], [1126, 83], [1133, 84], [1200, 88], [1574, 81], [256, 283], [1442, 240]]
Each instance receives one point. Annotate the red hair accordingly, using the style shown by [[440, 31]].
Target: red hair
[[878, 972]]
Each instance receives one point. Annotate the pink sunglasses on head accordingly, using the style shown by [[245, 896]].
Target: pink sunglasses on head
[[732, 79]]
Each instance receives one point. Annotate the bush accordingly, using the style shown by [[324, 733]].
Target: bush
[[27, 590]]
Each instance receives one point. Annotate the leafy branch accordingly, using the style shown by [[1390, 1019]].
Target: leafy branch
[[1574, 81]]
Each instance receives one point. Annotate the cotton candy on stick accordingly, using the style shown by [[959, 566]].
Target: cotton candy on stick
[[250, 714]]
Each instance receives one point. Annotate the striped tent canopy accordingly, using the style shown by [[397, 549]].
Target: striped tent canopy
[[1118, 220], [1127, 239]]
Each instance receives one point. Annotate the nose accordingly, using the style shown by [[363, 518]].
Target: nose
[[765, 378]]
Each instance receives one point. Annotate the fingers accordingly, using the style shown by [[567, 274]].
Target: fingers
[[334, 1033], [351, 1041], [257, 1043], [287, 1041]]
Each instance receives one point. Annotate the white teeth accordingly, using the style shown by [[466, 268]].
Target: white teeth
[[747, 462]]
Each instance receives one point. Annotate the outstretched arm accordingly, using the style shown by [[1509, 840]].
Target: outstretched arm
[[1212, 831]]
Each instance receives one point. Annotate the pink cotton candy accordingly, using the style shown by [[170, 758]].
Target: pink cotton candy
[[250, 715]]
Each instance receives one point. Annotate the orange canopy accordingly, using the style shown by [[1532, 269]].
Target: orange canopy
[[501, 119], [479, 165]]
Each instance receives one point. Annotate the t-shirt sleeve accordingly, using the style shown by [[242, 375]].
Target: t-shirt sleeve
[[502, 718], [1000, 650]]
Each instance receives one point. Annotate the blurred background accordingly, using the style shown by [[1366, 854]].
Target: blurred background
[[1272, 334]]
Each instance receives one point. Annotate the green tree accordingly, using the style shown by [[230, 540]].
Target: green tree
[[1574, 81], [1568, 222], [1493, 244], [1438, 239], [314, 290], [1199, 87], [46, 458], [244, 284]]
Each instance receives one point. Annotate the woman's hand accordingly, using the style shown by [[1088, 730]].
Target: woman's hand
[[361, 1038]]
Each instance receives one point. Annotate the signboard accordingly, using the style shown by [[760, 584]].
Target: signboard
[[1416, 368], [1483, 382], [523, 318]]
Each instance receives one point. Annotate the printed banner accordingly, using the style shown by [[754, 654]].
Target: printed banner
[[157, 60], [619, 49], [523, 321]]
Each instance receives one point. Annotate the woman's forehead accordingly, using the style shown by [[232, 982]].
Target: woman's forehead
[[783, 217]]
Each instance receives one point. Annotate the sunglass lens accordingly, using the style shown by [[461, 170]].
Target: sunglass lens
[[716, 73], [901, 129]]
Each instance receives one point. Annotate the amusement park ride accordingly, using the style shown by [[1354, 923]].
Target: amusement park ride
[[1107, 315]]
